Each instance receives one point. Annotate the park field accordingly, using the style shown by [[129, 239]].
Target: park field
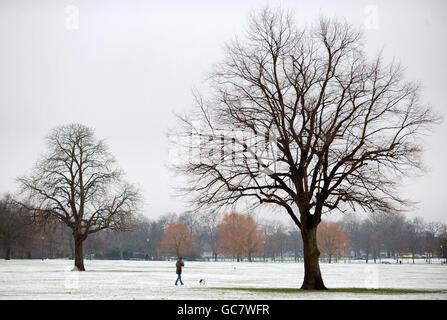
[[122, 279]]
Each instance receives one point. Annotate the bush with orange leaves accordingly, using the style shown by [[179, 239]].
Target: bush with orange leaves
[[177, 239], [332, 239], [240, 236]]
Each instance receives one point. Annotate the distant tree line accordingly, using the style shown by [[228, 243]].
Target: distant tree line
[[395, 236], [212, 237]]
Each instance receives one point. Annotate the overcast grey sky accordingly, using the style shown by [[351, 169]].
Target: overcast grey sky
[[123, 67]]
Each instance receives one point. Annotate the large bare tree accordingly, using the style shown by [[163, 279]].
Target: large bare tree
[[300, 118], [78, 182]]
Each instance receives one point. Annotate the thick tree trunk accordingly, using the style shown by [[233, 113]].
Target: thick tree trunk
[[79, 255], [312, 274]]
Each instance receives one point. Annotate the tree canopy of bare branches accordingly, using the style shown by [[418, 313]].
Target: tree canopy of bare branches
[[300, 118], [78, 182]]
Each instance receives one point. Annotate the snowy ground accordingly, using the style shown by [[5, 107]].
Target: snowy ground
[[53, 279]]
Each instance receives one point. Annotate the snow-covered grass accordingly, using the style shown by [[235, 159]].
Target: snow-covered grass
[[106, 279]]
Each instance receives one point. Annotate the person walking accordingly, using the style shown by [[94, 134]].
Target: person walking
[[179, 265]]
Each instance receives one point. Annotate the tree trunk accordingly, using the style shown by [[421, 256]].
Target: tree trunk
[[312, 274], [8, 253], [79, 255]]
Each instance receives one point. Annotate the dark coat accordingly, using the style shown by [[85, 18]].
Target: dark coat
[[179, 266]]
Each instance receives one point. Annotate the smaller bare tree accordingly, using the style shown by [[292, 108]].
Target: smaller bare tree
[[78, 183]]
